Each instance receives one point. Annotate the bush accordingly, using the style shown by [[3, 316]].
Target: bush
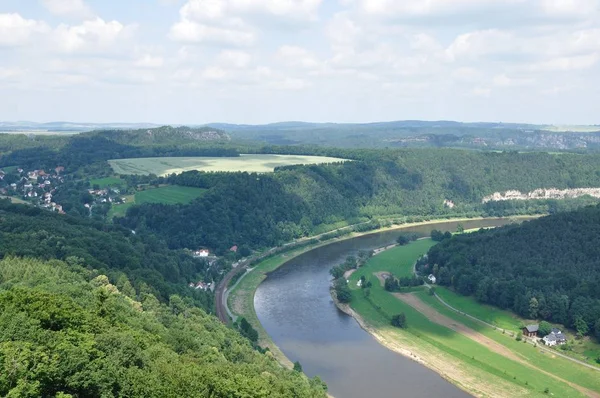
[[519, 336], [399, 320]]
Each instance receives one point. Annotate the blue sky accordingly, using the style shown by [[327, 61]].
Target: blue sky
[[258, 61]]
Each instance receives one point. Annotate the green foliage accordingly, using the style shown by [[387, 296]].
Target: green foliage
[[297, 367], [546, 268], [597, 329], [247, 330], [519, 336], [342, 291], [399, 320], [544, 329], [62, 336], [393, 284], [113, 250], [406, 238]]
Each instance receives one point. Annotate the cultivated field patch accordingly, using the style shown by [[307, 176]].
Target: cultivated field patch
[[248, 163]]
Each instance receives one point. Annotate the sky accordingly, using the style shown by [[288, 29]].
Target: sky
[[260, 61]]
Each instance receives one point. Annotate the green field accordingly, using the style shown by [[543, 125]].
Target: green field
[[107, 182], [428, 338], [495, 316], [249, 163], [169, 195]]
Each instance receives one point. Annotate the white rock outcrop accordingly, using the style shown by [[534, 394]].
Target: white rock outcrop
[[543, 193]]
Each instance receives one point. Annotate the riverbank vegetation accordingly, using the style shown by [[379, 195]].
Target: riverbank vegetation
[[484, 360]]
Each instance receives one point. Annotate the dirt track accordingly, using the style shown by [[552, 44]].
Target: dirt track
[[434, 316]]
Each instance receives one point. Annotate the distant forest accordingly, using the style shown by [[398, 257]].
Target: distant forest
[[543, 269]]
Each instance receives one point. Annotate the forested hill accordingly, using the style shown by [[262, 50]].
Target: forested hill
[[547, 269], [165, 135], [115, 251], [268, 209], [67, 332]]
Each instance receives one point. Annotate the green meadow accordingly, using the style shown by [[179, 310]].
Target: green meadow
[[107, 182], [495, 316], [171, 194], [488, 366]]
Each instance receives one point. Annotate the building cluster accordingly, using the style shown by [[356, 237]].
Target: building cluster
[[108, 195], [36, 186], [555, 337], [203, 286]]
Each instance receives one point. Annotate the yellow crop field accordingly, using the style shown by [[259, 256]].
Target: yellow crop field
[[250, 163]]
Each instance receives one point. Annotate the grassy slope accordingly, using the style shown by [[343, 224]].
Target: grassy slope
[[169, 195], [495, 316], [585, 350], [465, 353], [553, 364]]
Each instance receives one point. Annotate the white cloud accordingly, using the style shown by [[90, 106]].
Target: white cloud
[[191, 32], [236, 22], [566, 64], [294, 56], [149, 61], [91, 36], [234, 59], [69, 8], [16, 30]]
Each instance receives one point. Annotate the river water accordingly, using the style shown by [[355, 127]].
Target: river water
[[295, 308]]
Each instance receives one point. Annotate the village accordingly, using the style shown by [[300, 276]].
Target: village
[[34, 186], [39, 188]]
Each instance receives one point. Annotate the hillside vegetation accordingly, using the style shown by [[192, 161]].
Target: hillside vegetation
[[115, 251], [65, 331], [266, 210], [544, 269]]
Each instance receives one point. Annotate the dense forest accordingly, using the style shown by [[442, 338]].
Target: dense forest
[[113, 250], [261, 210], [66, 331], [544, 269]]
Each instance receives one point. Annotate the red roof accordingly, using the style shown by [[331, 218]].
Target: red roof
[[233, 249]]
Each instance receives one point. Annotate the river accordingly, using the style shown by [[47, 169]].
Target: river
[[295, 308]]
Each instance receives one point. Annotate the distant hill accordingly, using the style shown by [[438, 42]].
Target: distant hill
[[165, 135], [417, 133]]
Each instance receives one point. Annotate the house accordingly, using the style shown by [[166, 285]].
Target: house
[[234, 249], [59, 170], [449, 204], [203, 286], [531, 330], [431, 278], [201, 253], [556, 337], [359, 283]]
